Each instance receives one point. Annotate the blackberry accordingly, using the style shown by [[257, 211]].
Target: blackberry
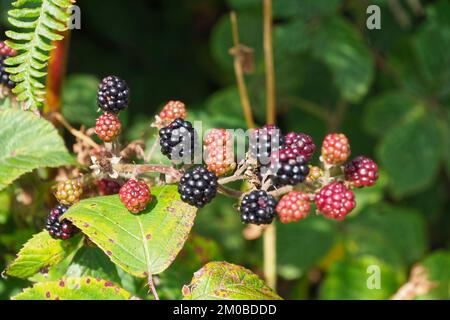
[[335, 201], [59, 229], [258, 207], [361, 172], [173, 110], [265, 141], [198, 186], [135, 195], [219, 152], [108, 127], [5, 50], [335, 149], [113, 94], [68, 192], [107, 187], [178, 140], [286, 168], [5, 76], [301, 144], [293, 207]]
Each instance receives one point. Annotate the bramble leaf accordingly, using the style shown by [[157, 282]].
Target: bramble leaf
[[143, 244], [226, 281]]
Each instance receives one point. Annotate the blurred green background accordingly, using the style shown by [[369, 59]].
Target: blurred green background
[[388, 90]]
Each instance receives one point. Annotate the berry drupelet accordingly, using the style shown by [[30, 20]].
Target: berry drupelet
[[135, 195], [335, 201], [361, 172], [68, 192], [198, 186], [258, 207], [294, 206], [178, 140], [113, 94], [108, 127], [264, 141], [59, 229]]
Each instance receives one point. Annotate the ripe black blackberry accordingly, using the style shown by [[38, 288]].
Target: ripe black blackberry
[[258, 207], [286, 168], [178, 140], [264, 141], [113, 94], [5, 76], [198, 186], [59, 229]]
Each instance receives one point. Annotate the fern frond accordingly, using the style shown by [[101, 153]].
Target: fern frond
[[38, 23]]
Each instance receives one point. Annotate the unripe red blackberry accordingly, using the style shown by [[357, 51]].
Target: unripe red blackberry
[[108, 127], [294, 206], [5, 50], [258, 207], [173, 110], [335, 149], [113, 94], [198, 186], [5, 78], [315, 173], [264, 141], [107, 187], [178, 140], [69, 192], [135, 195], [301, 144], [335, 200], [219, 152], [361, 172], [59, 229]]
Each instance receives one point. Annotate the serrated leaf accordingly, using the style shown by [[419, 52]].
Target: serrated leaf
[[411, 153], [27, 143], [143, 244], [387, 110], [350, 279], [40, 253], [85, 288], [226, 281]]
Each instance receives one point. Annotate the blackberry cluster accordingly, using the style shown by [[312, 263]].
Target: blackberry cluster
[[178, 139], [258, 207], [265, 141], [198, 186], [113, 94], [60, 229], [5, 76]]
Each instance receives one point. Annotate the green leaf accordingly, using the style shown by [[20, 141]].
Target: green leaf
[[411, 153], [143, 244], [85, 288], [225, 281], [27, 143], [438, 268], [92, 262], [294, 261], [5, 203], [40, 253], [395, 235], [80, 99], [385, 111], [351, 280]]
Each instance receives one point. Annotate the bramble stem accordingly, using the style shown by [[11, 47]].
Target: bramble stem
[[243, 92], [76, 133], [270, 251], [229, 192], [151, 284]]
